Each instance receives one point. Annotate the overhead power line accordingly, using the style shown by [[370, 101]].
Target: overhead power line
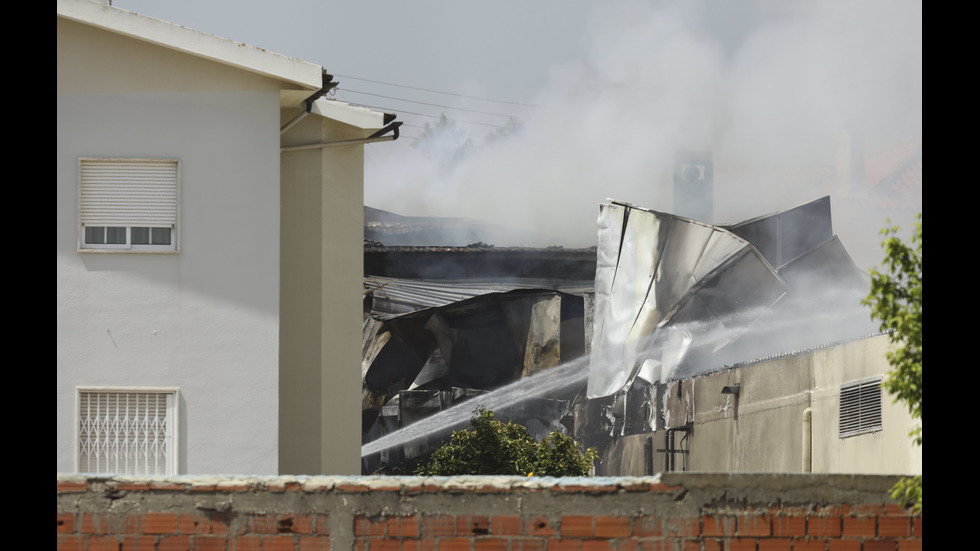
[[436, 91], [430, 104]]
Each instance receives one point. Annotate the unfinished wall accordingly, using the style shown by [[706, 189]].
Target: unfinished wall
[[669, 511]]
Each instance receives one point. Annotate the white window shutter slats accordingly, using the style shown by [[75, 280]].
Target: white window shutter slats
[[124, 192]]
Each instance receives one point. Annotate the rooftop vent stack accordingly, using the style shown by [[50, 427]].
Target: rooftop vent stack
[[850, 162], [694, 185]]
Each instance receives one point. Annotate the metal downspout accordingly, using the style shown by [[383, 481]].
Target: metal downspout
[[327, 85], [807, 440]]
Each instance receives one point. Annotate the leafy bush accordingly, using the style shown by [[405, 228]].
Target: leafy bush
[[491, 447]]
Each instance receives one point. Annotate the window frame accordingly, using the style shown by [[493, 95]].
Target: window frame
[[173, 430], [128, 246]]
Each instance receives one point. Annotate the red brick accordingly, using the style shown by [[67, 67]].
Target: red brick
[[742, 544], [403, 527], [653, 544], [900, 527], [70, 543], [540, 526], [70, 486], [576, 526], [174, 543], [572, 544], [612, 527], [858, 527], [103, 543], [160, 523], [193, 524], [843, 545], [775, 544], [261, 524], [438, 525], [454, 544], [810, 545], [758, 526], [134, 543], [351, 488], [475, 525], [209, 543], [864, 509], [225, 524], [506, 525], [297, 524], [382, 544], [718, 525], [826, 527], [596, 545], [313, 543], [133, 487], [910, 545], [714, 545], [94, 523], [527, 544], [247, 543], [917, 526], [647, 526], [880, 545], [787, 526], [322, 525], [166, 486], [279, 543], [490, 544], [66, 523], [364, 526], [681, 526]]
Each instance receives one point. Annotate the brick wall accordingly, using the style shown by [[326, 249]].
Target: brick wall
[[686, 511]]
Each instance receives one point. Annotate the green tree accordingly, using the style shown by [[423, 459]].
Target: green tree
[[491, 447], [896, 302]]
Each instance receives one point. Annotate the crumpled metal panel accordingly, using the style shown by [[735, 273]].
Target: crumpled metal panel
[[657, 277]]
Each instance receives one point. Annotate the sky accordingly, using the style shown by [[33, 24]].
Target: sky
[[532, 113]]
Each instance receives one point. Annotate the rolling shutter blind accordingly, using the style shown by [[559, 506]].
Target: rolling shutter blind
[[126, 432], [860, 407], [122, 192]]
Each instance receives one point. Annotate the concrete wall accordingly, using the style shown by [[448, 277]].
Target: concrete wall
[[321, 297], [204, 320], [762, 429], [689, 511]]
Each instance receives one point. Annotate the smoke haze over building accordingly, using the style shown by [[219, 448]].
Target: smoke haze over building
[[772, 89]]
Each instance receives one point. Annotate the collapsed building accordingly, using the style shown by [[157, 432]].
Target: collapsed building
[[734, 333]]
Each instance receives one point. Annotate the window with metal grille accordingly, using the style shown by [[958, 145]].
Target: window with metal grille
[[129, 204], [860, 407], [127, 431]]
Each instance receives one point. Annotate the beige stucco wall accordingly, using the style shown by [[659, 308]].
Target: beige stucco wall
[[762, 431], [205, 320], [322, 271]]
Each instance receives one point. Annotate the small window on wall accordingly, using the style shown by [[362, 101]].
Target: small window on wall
[[129, 204], [122, 431], [860, 407]]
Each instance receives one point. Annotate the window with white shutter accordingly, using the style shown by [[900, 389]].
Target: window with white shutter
[[123, 431], [129, 204], [860, 407]]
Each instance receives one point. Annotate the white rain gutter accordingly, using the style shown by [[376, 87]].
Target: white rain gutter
[[379, 136]]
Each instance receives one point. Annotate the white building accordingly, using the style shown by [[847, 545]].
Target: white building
[[210, 219]]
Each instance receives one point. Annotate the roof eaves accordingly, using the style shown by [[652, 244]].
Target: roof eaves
[[354, 115], [294, 72]]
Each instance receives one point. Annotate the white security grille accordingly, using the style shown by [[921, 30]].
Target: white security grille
[[123, 432], [128, 192], [860, 407]]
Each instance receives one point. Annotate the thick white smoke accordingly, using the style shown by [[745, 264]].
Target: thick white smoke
[[768, 87]]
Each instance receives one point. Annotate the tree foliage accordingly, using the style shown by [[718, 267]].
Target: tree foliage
[[491, 447], [896, 302]]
